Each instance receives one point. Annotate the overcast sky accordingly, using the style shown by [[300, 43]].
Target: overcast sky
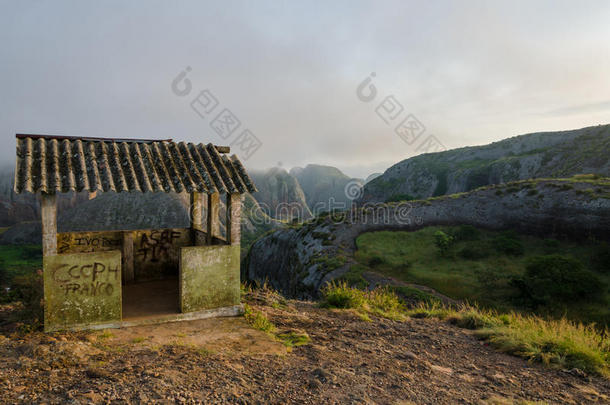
[[472, 72]]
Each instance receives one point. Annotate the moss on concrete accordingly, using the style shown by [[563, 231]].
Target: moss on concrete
[[209, 277], [82, 289]]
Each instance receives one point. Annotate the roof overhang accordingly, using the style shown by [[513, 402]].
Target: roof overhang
[[57, 163]]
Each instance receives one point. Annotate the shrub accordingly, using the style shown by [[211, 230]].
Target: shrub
[[466, 233], [556, 278], [508, 244], [443, 242]]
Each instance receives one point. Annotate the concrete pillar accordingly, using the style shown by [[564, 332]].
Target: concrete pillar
[[196, 211], [128, 261], [48, 212], [213, 224], [233, 218]]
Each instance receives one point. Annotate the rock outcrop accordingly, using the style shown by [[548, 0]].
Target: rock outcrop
[[301, 259], [545, 154], [280, 195], [326, 187]]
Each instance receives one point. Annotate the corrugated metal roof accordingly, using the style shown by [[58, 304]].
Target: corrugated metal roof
[[52, 164]]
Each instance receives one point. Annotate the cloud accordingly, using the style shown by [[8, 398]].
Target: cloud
[[473, 72], [579, 109]]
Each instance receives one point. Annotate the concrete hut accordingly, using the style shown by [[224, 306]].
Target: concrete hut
[[120, 278]]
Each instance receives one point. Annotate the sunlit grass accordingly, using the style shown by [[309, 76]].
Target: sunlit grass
[[557, 343]]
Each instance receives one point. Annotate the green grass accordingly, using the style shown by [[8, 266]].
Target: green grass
[[381, 301], [258, 320], [20, 259], [412, 257], [557, 343]]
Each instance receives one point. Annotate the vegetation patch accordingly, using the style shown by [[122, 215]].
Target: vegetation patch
[[381, 301], [557, 343], [485, 267]]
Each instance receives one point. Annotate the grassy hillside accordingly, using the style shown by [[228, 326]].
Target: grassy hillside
[[551, 154], [484, 267]]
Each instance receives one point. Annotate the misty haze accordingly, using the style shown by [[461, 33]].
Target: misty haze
[[388, 202]]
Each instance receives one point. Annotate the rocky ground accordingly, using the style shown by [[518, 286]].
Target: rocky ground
[[347, 360]]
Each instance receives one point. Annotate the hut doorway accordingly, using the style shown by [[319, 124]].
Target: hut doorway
[[151, 299]]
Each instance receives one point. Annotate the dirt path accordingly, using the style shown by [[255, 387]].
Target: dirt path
[[419, 361]]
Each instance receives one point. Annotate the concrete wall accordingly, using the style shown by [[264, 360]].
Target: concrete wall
[[155, 253], [82, 289], [86, 242], [209, 277]]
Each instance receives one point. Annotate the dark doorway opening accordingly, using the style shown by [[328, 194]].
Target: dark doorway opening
[[150, 299]]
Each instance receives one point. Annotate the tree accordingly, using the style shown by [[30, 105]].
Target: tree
[[443, 242]]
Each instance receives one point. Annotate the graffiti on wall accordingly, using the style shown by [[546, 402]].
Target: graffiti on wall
[[89, 279], [157, 245], [81, 288], [157, 252], [86, 242]]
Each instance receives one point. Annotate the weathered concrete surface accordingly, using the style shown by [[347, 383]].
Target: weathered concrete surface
[[209, 277], [82, 289], [147, 254], [48, 207], [87, 242], [233, 218], [157, 252], [294, 260]]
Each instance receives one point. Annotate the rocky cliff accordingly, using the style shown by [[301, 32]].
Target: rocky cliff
[[324, 187], [545, 154], [280, 195], [301, 259]]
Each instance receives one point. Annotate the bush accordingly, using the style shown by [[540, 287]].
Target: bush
[[443, 242], [466, 233], [509, 244], [556, 278]]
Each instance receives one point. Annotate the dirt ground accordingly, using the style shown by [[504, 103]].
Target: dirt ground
[[348, 360]]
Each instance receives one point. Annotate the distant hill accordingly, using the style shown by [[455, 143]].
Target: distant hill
[[280, 194], [544, 154], [323, 183], [372, 177]]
